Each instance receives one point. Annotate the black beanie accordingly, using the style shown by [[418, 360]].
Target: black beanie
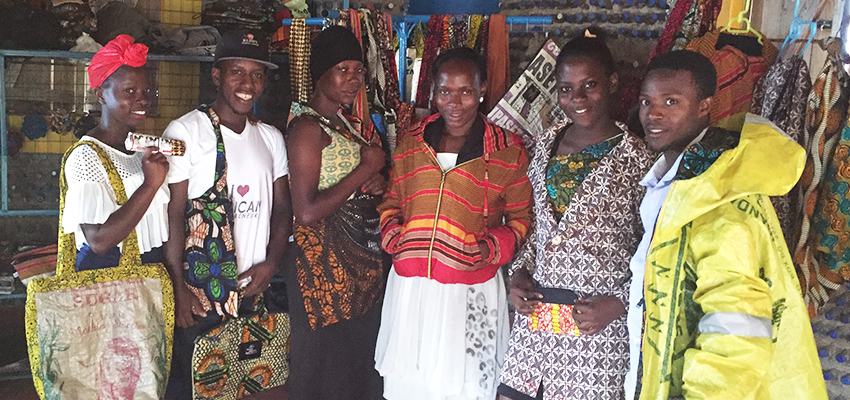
[[331, 47]]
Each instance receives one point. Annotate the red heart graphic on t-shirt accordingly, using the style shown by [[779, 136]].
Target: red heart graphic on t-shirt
[[242, 190]]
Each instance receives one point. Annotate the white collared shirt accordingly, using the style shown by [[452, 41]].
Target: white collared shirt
[[657, 184]]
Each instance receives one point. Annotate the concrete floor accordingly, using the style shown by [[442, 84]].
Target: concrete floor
[[21, 389]]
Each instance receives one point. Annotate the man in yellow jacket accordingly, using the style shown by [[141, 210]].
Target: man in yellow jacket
[[715, 310]]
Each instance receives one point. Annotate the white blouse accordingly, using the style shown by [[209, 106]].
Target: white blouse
[[447, 160], [91, 200]]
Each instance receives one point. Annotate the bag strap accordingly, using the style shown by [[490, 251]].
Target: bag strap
[[221, 159], [67, 245]]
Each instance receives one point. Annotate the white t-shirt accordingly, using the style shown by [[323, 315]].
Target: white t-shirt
[[255, 159], [91, 200]]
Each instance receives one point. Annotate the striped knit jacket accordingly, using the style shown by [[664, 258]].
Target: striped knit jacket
[[432, 220]]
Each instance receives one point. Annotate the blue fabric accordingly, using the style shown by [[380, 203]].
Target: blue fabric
[[88, 260], [442, 7]]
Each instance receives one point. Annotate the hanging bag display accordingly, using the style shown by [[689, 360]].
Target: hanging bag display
[[243, 355], [104, 333]]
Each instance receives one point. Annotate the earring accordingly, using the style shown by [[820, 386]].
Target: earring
[[481, 100]]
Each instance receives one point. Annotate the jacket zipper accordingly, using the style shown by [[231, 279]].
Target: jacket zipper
[[439, 200]]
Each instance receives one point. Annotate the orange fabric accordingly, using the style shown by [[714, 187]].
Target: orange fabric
[[498, 62], [442, 243], [737, 76], [705, 45]]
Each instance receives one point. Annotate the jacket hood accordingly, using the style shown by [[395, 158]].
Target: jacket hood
[[764, 161]]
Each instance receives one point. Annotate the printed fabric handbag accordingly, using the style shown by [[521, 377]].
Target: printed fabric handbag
[[210, 267], [243, 355], [105, 333], [554, 314]]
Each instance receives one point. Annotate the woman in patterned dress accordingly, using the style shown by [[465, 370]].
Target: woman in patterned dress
[[336, 280], [585, 173]]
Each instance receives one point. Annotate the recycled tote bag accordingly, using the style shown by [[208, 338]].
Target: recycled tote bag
[[100, 334], [243, 355]]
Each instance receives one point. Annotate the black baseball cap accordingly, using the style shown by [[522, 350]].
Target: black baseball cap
[[244, 45]]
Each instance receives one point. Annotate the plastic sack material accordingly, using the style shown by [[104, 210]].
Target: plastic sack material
[[100, 334], [725, 317]]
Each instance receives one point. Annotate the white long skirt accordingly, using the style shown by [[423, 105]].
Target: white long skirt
[[442, 341]]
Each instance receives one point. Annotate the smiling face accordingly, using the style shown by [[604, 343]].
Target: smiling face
[[240, 84], [671, 111], [124, 96], [342, 82], [457, 91], [584, 90]]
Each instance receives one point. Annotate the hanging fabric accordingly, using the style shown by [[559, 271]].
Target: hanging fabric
[[823, 241], [433, 38], [498, 61], [446, 42], [737, 76], [473, 30], [781, 97], [674, 23], [375, 75], [631, 88], [360, 108], [391, 95], [299, 59], [709, 10]]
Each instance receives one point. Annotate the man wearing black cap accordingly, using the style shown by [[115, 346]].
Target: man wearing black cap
[[256, 174]]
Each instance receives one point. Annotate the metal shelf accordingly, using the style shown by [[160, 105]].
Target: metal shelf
[[4, 155]]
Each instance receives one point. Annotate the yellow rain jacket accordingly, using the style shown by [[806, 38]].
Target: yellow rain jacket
[[725, 318]]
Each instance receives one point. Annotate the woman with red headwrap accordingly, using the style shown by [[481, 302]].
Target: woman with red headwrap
[[91, 210]]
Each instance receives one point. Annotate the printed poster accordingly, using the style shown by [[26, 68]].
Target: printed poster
[[531, 106]]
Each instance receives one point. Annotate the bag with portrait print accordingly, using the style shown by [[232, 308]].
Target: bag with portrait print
[[105, 333]]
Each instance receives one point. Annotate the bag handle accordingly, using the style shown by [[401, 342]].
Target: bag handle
[[66, 257], [220, 162]]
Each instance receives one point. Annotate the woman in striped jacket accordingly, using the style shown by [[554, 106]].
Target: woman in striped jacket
[[458, 207]]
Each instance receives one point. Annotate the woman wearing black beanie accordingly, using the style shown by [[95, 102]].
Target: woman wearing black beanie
[[339, 268]]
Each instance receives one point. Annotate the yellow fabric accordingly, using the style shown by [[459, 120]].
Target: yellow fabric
[[66, 278], [338, 159], [718, 247], [341, 156]]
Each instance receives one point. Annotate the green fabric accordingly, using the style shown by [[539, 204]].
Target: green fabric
[[565, 173]]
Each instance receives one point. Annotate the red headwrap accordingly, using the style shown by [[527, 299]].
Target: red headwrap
[[119, 51]]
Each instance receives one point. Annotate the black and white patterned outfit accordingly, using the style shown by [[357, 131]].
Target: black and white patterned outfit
[[587, 251]]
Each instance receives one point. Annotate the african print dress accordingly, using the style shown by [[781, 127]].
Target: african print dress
[[340, 269], [587, 228]]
